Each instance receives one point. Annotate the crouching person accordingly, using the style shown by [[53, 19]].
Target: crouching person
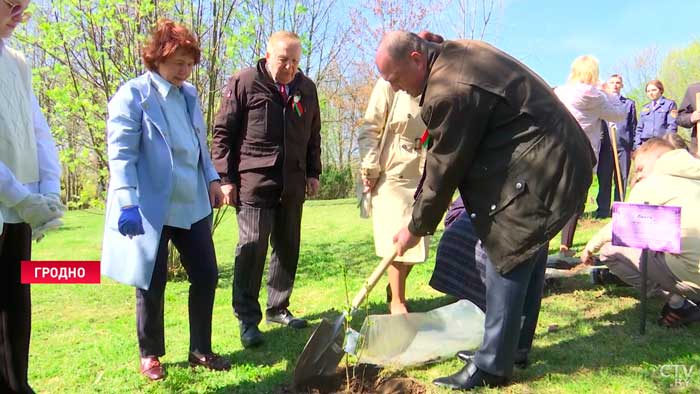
[[665, 176], [162, 188]]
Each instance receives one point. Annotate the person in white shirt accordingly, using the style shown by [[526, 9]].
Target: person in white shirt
[[590, 105], [29, 197]]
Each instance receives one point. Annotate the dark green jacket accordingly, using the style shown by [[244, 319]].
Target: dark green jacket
[[519, 158]]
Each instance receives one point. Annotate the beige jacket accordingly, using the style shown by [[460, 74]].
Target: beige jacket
[[675, 180], [389, 142]]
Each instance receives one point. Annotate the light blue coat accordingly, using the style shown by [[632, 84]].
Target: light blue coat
[[140, 158]]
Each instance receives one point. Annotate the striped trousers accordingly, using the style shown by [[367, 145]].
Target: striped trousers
[[459, 263], [280, 226]]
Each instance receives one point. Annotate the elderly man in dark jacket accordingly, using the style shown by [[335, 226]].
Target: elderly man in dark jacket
[[267, 151], [521, 162]]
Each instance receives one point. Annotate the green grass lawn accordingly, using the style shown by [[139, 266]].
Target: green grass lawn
[[84, 336]]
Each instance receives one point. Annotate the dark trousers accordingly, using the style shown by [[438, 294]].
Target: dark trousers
[[199, 260], [607, 175], [15, 309], [281, 225], [512, 308]]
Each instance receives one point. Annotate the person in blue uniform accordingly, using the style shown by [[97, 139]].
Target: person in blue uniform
[[657, 117], [625, 140]]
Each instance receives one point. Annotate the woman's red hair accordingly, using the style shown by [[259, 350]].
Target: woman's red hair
[[166, 38], [659, 85]]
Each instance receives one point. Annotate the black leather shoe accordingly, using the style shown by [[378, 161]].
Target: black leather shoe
[[250, 335], [470, 377], [521, 360], [285, 318]]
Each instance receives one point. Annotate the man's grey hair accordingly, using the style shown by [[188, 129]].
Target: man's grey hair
[[399, 44]]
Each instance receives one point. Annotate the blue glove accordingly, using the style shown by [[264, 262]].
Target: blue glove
[[130, 223]]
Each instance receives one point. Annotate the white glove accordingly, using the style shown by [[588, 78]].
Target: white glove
[[39, 232], [55, 200], [37, 210]]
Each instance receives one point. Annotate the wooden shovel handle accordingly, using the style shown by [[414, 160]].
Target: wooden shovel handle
[[372, 280], [613, 140]]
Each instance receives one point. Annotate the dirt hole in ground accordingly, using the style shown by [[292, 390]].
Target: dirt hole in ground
[[364, 379]]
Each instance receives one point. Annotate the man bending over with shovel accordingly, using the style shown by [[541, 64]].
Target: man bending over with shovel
[[496, 128]]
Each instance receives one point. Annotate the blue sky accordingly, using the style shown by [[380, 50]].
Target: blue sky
[[548, 35]]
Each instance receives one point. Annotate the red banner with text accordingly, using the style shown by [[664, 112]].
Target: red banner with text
[[60, 272]]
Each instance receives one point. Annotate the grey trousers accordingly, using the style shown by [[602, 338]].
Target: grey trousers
[[281, 227], [512, 308], [624, 262]]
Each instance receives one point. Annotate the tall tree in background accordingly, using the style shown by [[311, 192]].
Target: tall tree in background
[[680, 69], [355, 79], [82, 51], [473, 18], [638, 71]]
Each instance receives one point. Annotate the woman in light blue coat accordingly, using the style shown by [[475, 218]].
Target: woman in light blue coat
[[162, 188]]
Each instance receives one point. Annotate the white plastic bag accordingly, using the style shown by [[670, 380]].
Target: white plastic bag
[[419, 338]]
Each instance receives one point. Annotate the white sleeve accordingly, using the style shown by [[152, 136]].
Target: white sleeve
[[11, 190], [49, 166]]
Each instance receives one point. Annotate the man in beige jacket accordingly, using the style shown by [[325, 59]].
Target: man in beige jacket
[[664, 177], [390, 149]]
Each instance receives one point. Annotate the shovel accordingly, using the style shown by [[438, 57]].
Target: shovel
[[324, 349]]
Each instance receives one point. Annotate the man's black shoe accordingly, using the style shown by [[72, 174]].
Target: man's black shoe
[[285, 318], [603, 276], [470, 377], [250, 335], [601, 215], [521, 360]]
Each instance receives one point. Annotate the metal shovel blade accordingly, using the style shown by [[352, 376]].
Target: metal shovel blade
[[322, 353], [324, 349]]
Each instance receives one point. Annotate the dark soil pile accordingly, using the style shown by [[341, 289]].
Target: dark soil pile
[[364, 379]]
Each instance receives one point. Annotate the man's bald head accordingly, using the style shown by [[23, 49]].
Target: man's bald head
[[646, 155], [399, 44], [402, 61]]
